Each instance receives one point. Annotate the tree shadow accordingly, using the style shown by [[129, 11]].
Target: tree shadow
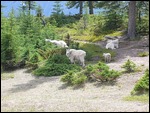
[[31, 84], [75, 87], [78, 87], [107, 83], [63, 86]]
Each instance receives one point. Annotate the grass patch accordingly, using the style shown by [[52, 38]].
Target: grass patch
[[116, 33], [95, 50], [89, 38], [140, 98], [6, 76], [143, 54], [92, 38]]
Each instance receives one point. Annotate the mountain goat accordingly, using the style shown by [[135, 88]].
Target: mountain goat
[[73, 55], [112, 44], [59, 43], [107, 57]]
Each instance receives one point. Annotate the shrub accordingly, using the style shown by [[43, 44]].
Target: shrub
[[79, 78], [129, 66], [55, 66], [142, 86], [74, 45], [142, 27], [58, 59], [101, 72], [67, 77], [74, 78]]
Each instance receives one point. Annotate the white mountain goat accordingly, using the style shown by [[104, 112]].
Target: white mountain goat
[[59, 43], [73, 55], [107, 57], [112, 44]]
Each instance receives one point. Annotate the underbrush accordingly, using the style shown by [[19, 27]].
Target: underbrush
[[92, 38], [99, 71], [142, 85], [56, 65]]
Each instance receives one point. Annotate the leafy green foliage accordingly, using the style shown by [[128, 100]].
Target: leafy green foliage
[[113, 21], [26, 43], [142, 86], [99, 71], [8, 51], [129, 66], [142, 26], [74, 78], [55, 66]]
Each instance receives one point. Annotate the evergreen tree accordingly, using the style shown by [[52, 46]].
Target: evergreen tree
[[39, 14], [57, 10], [76, 4], [9, 42], [57, 15]]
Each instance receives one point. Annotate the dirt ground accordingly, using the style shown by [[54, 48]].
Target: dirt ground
[[26, 92]]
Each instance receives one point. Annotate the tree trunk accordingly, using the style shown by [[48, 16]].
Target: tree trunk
[[132, 19], [91, 7], [81, 7]]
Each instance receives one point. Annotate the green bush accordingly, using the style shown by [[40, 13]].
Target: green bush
[[142, 86], [55, 66], [58, 59], [113, 21], [99, 71], [103, 72], [129, 66], [79, 78], [67, 77], [142, 26], [74, 78], [108, 75]]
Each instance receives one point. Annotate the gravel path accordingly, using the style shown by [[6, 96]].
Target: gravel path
[[29, 93]]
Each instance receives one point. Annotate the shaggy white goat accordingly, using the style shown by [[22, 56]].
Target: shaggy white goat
[[59, 43], [110, 45], [114, 45], [107, 57], [73, 55]]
